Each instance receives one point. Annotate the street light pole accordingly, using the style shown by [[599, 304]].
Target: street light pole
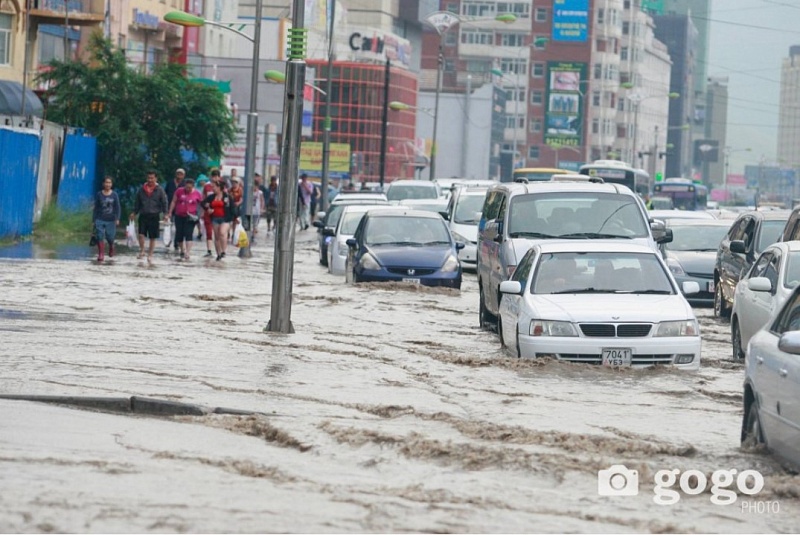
[[326, 133], [439, 61], [282, 272], [385, 122]]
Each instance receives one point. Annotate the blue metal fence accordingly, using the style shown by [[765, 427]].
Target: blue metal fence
[[19, 163], [78, 182]]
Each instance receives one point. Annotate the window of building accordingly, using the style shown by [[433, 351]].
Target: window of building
[[626, 4], [626, 28], [449, 65], [533, 152], [601, 16], [595, 126], [5, 39], [514, 66], [478, 8], [541, 14], [595, 98], [623, 54], [537, 98], [535, 126], [600, 45], [512, 39], [537, 70], [451, 7], [520, 9], [478, 66], [473, 36], [515, 121], [450, 39], [598, 71]]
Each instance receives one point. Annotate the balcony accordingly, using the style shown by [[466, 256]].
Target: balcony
[[77, 12]]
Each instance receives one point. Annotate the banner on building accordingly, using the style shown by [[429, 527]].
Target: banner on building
[[564, 105], [311, 159], [570, 20]]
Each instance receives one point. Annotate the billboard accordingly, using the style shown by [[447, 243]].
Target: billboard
[[706, 150], [564, 104], [311, 159], [570, 20]]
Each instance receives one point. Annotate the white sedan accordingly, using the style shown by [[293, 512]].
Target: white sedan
[[599, 303], [762, 291], [772, 384], [346, 228]]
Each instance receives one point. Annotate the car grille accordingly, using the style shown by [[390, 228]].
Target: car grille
[[613, 330], [416, 271], [639, 360]]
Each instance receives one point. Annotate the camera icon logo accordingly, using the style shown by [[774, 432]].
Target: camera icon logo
[[617, 480]]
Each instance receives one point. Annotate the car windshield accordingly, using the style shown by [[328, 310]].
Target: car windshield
[[406, 230], [467, 208], [398, 192], [696, 238], [600, 272], [334, 213], [350, 222], [770, 232], [792, 277], [576, 215]]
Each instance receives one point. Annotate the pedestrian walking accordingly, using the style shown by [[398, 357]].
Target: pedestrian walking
[[258, 205], [271, 202], [236, 193], [106, 216], [149, 204], [305, 190], [208, 189], [183, 211], [170, 188], [220, 205]]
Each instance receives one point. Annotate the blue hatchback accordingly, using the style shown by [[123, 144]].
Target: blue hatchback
[[404, 245]]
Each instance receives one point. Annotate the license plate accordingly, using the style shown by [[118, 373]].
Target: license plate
[[414, 281], [616, 357], [710, 287]]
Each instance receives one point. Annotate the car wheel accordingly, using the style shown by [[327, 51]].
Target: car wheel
[[486, 318], [721, 308], [500, 331], [519, 353], [323, 257], [752, 433], [736, 340]]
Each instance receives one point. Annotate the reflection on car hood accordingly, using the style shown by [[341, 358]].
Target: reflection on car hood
[[606, 308], [700, 262], [430, 257]]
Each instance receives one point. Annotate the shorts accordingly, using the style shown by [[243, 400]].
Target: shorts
[[149, 225], [218, 220], [272, 213], [106, 230], [184, 228]]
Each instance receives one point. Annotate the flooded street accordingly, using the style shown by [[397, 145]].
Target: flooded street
[[388, 410]]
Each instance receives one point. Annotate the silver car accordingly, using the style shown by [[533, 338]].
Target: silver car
[[345, 228], [762, 291], [463, 215], [772, 384]]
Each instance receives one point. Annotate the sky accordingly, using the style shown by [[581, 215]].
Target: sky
[[748, 41]]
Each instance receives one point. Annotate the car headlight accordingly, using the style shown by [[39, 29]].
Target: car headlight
[[675, 267], [552, 328], [368, 262], [343, 248], [459, 237], [678, 328], [450, 265]]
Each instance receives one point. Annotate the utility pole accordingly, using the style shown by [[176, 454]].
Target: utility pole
[[465, 148], [326, 132], [385, 122]]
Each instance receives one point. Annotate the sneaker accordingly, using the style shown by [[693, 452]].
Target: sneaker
[[219, 257], [209, 253], [222, 255]]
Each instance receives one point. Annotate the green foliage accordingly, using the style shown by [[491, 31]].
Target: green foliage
[[140, 121], [57, 223]]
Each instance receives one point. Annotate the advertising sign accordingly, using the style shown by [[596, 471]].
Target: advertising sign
[[308, 104], [564, 106], [311, 159], [570, 20]]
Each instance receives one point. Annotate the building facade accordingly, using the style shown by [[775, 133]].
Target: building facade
[[789, 110]]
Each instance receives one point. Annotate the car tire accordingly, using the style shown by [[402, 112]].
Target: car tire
[[519, 352], [500, 331], [323, 258], [486, 318], [736, 340], [721, 308], [752, 432]]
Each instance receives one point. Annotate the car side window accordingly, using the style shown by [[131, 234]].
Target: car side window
[[760, 267], [789, 318], [749, 233], [772, 269], [523, 271], [491, 207], [501, 214]]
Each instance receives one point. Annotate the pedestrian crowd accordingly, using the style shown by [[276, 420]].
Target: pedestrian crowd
[[210, 206]]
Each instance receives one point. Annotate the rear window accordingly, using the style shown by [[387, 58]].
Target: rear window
[[402, 191]]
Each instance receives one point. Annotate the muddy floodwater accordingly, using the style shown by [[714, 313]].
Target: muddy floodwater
[[388, 410]]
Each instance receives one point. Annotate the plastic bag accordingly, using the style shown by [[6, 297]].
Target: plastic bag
[[240, 236], [167, 234], [93, 238], [130, 234]]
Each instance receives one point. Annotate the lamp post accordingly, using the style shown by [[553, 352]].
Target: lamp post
[[326, 126], [185, 19], [637, 99], [442, 21]]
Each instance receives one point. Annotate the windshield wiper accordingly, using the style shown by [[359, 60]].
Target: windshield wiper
[[655, 292], [581, 291], [412, 243], [436, 242], [530, 235], [594, 235]]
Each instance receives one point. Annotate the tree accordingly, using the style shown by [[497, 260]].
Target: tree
[[140, 121]]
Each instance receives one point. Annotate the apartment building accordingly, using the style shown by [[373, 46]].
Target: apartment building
[[789, 110]]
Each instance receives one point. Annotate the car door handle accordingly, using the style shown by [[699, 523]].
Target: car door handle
[[760, 360], [784, 372]]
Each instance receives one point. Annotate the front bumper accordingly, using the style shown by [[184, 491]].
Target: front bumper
[[437, 278], [646, 351]]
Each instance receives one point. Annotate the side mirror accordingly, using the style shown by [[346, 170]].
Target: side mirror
[[661, 234], [512, 287], [690, 287], [320, 215], [460, 245], [737, 246], [328, 231], [759, 284], [499, 237], [789, 342], [318, 223], [445, 215], [352, 243]]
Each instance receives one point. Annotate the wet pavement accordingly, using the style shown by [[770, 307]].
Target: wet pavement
[[388, 410]]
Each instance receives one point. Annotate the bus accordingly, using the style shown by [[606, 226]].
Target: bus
[[617, 172], [538, 174], [685, 194]]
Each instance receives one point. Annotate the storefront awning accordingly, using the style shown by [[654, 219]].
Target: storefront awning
[[11, 95]]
